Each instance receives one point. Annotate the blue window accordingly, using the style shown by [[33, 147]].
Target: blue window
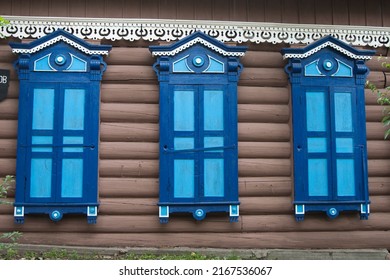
[[57, 153], [198, 126], [330, 154]]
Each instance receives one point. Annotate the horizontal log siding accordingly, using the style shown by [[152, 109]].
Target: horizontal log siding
[[128, 184]]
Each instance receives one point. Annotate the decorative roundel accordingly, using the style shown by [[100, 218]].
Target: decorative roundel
[[199, 214], [60, 60], [56, 215], [328, 65], [332, 212], [198, 61]]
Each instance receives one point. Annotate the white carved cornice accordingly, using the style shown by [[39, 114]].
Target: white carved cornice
[[170, 30]]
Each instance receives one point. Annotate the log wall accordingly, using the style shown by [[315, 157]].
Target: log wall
[[128, 184]]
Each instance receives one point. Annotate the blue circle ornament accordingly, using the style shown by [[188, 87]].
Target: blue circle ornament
[[328, 65], [55, 215], [333, 213], [199, 214], [60, 60], [198, 61]]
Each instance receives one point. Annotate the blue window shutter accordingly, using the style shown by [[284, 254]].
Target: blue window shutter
[[57, 151], [198, 126], [330, 151]]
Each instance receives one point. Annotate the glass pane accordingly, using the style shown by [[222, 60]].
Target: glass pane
[[315, 111], [72, 178], [344, 145], [316, 145], [318, 177], [183, 107], [40, 184], [210, 142], [42, 140], [74, 105], [43, 108], [345, 177], [73, 140], [213, 110], [184, 176], [183, 143], [214, 177], [343, 111]]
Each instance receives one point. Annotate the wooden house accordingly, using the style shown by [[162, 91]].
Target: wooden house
[[129, 120]]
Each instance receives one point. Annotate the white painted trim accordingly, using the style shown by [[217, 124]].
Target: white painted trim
[[170, 30]]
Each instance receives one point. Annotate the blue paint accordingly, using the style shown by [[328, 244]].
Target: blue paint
[[346, 177], [43, 64], [214, 177], [164, 211], [42, 140], [77, 64], [184, 185], [41, 177], [79, 140], [72, 178], [312, 69], [317, 145], [43, 108], [183, 110], [181, 66], [344, 145], [234, 210], [344, 70], [215, 66], [213, 110], [343, 111], [213, 142], [74, 107], [315, 111], [318, 177]]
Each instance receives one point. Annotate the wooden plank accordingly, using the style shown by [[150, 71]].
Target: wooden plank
[[375, 131], [378, 167], [264, 150], [290, 11], [263, 113], [263, 132], [387, 79], [95, 8], [9, 109], [265, 186], [128, 187], [371, 97], [357, 12], [376, 63], [385, 12], [6, 55], [39, 8], [8, 129], [263, 59], [323, 12], [58, 8], [113, 9], [377, 78], [149, 9], [379, 185], [130, 74], [130, 113], [306, 11], [127, 132], [7, 148], [263, 77], [265, 167], [185, 9], [340, 12], [128, 168], [13, 89], [256, 10], [374, 12], [378, 149], [221, 11], [6, 8], [125, 206], [77, 8], [128, 150], [263, 95], [7, 166], [288, 240], [273, 11], [374, 113], [266, 205], [203, 10], [132, 9], [130, 93], [238, 10]]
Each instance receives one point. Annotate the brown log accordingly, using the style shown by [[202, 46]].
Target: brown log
[[380, 203], [376, 63], [263, 132], [131, 113], [387, 79], [13, 89], [288, 240], [378, 149], [264, 186], [264, 150], [6, 54], [7, 148], [130, 74], [9, 109], [263, 95], [130, 56], [274, 77], [128, 168], [263, 59], [8, 129], [263, 113], [375, 131], [130, 93], [377, 78], [128, 187], [379, 167], [264, 167], [128, 132], [266, 205], [7, 167], [128, 150], [379, 185], [371, 97], [126, 206], [374, 113]]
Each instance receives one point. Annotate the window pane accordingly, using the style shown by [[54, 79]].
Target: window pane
[[74, 104], [42, 140], [213, 110], [315, 111], [79, 140], [210, 142], [72, 178], [345, 177], [183, 143], [318, 177], [344, 145], [183, 110], [43, 108], [343, 111], [184, 176], [316, 145], [40, 184], [214, 177]]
